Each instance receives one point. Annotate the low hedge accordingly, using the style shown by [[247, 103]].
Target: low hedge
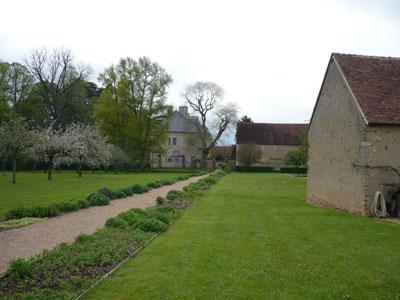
[[69, 269], [254, 169], [293, 170], [102, 197]]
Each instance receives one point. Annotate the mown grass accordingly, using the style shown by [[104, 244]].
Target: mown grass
[[33, 189], [254, 237], [69, 269]]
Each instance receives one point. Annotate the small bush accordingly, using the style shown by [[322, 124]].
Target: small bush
[[21, 269], [162, 216], [139, 211], [210, 180], [174, 195], [167, 182], [83, 203], [152, 225], [166, 209], [137, 189], [109, 193], [116, 222], [160, 200], [98, 200], [127, 191], [120, 194], [153, 185], [131, 217], [67, 207]]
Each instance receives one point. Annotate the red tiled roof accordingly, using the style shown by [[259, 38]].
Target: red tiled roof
[[224, 151], [375, 83], [269, 133]]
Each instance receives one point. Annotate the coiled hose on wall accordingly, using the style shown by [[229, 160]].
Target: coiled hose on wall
[[378, 206]]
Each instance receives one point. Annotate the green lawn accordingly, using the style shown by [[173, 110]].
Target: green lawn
[[254, 237], [33, 189]]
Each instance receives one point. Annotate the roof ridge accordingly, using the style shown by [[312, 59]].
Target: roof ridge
[[367, 56]]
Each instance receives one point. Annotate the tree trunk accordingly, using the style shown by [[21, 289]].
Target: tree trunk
[[80, 169], [34, 166], [14, 170], [50, 166]]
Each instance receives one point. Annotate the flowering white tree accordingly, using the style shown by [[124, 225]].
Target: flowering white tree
[[52, 144], [15, 139], [86, 146]]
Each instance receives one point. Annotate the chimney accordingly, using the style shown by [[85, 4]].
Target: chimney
[[184, 111]]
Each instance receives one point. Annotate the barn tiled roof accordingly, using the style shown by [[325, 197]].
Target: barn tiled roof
[[225, 151], [269, 133], [375, 83]]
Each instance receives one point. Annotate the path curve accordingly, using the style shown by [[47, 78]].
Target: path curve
[[31, 240]]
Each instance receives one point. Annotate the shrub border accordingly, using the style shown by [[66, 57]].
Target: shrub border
[[191, 191], [94, 199]]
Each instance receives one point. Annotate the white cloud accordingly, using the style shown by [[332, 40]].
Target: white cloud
[[270, 56]]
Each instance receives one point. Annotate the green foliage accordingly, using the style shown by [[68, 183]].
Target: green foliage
[[248, 155], [67, 270], [160, 200], [174, 195], [133, 103], [21, 269], [98, 199], [108, 193], [116, 222], [254, 169], [153, 185], [296, 158], [293, 170], [16, 223], [153, 225], [138, 189], [101, 198], [132, 217], [228, 167]]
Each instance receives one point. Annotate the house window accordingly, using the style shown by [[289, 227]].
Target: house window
[[174, 141], [169, 141], [176, 159], [169, 159], [192, 158], [190, 142], [176, 153]]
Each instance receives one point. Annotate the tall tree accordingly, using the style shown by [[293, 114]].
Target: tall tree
[[15, 141], [20, 82], [246, 119], [60, 81], [205, 98], [132, 109]]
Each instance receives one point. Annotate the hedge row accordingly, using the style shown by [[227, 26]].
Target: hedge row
[[101, 197], [69, 269], [270, 169]]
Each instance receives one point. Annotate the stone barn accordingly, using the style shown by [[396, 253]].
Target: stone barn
[[354, 133], [273, 139]]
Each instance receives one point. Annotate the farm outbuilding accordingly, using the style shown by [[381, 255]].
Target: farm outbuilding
[[273, 139], [354, 133]]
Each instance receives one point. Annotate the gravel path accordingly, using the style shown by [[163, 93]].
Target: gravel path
[[31, 240]]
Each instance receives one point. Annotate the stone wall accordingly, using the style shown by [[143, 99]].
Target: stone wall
[[383, 153], [336, 136], [272, 155]]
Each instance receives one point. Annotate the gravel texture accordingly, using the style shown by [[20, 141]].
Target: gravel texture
[[31, 240]]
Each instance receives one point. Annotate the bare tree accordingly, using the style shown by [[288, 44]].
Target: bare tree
[[248, 154], [205, 99], [57, 76]]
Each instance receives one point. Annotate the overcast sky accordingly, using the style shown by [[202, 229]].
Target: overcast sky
[[269, 56]]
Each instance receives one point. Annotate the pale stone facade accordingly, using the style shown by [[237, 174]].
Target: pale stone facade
[[182, 146], [349, 159]]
